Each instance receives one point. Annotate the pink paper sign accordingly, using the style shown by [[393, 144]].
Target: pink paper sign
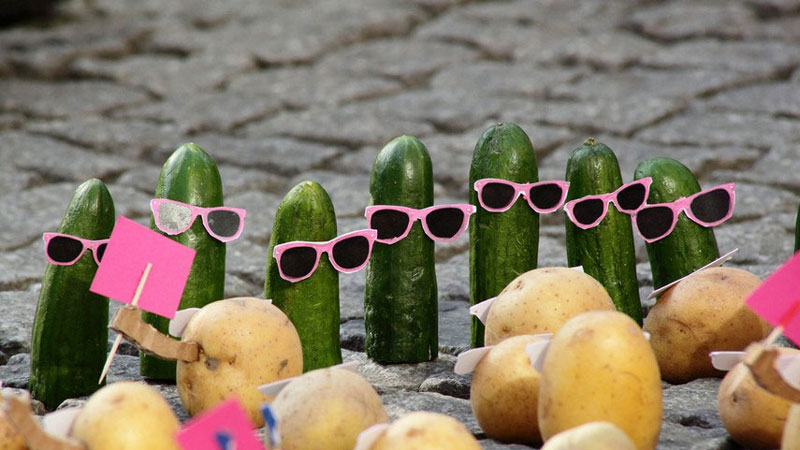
[[777, 299], [130, 247], [228, 417]]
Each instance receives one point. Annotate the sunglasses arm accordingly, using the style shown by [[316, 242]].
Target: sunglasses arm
[[128, 322]]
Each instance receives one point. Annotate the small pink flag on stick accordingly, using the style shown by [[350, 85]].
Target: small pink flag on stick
[[228, 418], [777, 300]]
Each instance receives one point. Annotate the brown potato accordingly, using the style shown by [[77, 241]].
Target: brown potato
[[505, 392], [754, 417], [591, 436], [704, 313], [423, 430], [9, 438], [541, 300], [245, 342]]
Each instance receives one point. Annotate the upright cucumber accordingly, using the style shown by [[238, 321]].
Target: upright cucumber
[[306, 214], [190, 176], [400, 299], [605, 251], [501, 245], [689, 246], [70, 330]]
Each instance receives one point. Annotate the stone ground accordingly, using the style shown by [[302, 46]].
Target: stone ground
[[283, 91]]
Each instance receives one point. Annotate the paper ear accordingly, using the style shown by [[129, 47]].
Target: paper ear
[[716, 263], [789, 368], [272, 389], [725, 360], [182, 317], [367, 438], [59, 423], [481, 310], [536, 352], [468, 360]]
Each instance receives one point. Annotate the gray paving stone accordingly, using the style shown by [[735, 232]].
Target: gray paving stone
[[11, 120], [553, 251], [17, 309], [772, 168], [240, 287], [777, 99], [763, 58], [447, 383], [70, 98], [452, 275], [14, 180], [754, 201], [351, 335], [248, 260], [454, 325], [43, 206], [399, 377], [612, 50], [261, 207], [22, 267], [351, 297], [674, 21], [786, 29], [694, 402], [360, 161], [759, 242], [489, 78], [349, 194], [17, 371], [772, 8], [491, 444], [399, 404]]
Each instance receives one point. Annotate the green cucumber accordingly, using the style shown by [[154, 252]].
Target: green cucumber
[[501, 245], [605, 251], [306, 214], [689, 246], [70, 330], [400, 299], [190, 176]]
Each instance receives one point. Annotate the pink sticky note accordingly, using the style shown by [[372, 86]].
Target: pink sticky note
[[777, 299], [230, 417], [130, 247]]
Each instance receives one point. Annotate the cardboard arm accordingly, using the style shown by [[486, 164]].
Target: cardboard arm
[[128, 322], [761, 360], [18, 411]]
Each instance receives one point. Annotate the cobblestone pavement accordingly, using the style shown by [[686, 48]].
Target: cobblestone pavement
[[281, 91]]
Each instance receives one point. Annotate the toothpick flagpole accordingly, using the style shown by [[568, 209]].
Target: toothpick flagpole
[[118, 340]]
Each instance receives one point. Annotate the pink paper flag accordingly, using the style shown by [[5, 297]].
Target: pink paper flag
[[228, 417], [130, 247], [777, 299]]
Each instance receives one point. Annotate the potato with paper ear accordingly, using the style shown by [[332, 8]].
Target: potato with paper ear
[[10, 439], [420, 430]]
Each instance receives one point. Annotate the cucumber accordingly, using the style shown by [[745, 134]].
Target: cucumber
[[501, 245], [70, 329], [306, 214], [605, 251], [190, 176], [689, 246], [400, 298]]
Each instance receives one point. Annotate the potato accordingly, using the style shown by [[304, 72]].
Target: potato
[[600, 367], [791, 430], [753, 417], [9, 438], [126, 416], [423, 430], [245, 342], [327, 408], [541, 300], [505, 392], [591, 436], [701, 314]]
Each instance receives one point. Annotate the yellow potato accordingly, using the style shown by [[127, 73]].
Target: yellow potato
[[600, 367], [9, 438], [423, 430], [327, 408], [591, 436], [245, 342], [541, 300], [791, 431], [126, 416], [505, 392], [704, 313], [753, 417]]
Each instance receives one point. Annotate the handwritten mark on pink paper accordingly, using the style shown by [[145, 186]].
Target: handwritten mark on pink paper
[[777, 299], [130, 248], [228, 417]]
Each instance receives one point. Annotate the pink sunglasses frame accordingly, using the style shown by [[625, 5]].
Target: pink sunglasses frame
[[198, 211], [88, 244], [415, 214], [521, 189], [610, 197], [324, 247], [684, 204]]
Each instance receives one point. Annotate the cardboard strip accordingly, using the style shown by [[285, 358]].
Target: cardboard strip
[[18, 411], [128, 323], [762, 363], [716, 263]]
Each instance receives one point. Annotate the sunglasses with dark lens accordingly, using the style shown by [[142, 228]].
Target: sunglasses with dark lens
[[348, 253], [586, 212], [173, 217], [441, 223], [64, 249], [708, 208], [498, 195]]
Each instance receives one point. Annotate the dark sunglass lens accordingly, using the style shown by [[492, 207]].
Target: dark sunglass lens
[[389, 223], [497, 195], [223, 223], [654, 222], [351, 252], [445, 223], [63, 249], [588, 211], [100, 251], [631, 198], [545, 196], [711, 206], [298, 261]]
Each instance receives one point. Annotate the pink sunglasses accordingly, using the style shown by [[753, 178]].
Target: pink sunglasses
[[708, 208], [441, 223], [174, 217], [64, 249], [498, 195], [586, 212], [348, 253]]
